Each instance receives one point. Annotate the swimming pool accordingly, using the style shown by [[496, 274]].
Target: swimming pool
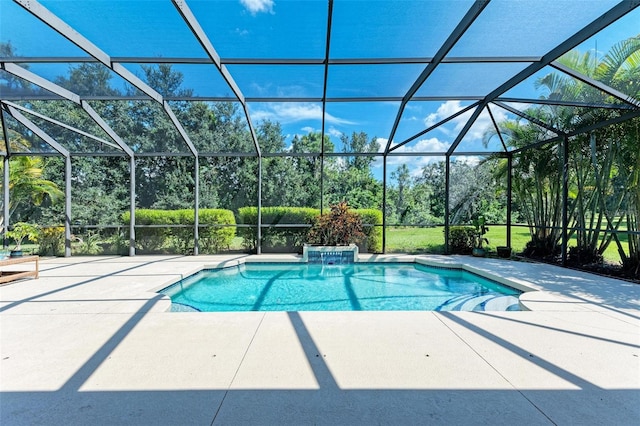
[[354, 287]]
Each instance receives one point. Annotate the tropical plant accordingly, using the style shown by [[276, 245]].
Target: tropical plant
[[22, 230], [51, 241], [480, 229], [536, 183], [27, 184], [340, 226], [603, 164]]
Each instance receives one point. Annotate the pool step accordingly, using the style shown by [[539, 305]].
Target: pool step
[[490, 302]]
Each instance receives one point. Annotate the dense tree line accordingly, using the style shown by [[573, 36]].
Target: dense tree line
[[100, 184]]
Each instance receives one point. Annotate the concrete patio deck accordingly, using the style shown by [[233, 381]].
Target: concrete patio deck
[[91, 343]]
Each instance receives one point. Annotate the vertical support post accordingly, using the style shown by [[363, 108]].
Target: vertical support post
[[321, 181], [67, 206], [132, 205], [384, 203], [5, 187], [447, 174], [259, 234], [509, 196], [565, 198], [196, 202]]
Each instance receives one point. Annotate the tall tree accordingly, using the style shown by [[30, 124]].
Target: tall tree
[[308, 169], [278, 177], [351, 178]]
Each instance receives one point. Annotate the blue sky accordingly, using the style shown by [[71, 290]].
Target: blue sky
[[297, 29]]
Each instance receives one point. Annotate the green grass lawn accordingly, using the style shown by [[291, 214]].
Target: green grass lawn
[[431, 240], [414, 240]]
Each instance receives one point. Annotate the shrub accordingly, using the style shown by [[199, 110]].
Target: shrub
[[291, 239], [280, 238], [372, 228], [542, 248], [581, 256], [150, 239], [179, 230], [88, 244], [217, 229], [51, 241], [461, 239], [340, 226]]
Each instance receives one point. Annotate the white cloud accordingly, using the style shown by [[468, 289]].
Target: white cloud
[[446, 109], [471, 160], [287, 113], [415, 163], [483, 122], [241, 33], [332, 131], [308, 129], [258, 6], [431, 145], [454, 126]]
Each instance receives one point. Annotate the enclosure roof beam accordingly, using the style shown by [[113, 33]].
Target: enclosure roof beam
[[495, 126], [61, 124], [529, 118], [561, 102], [466, 128], [607, 18], [37, 130], [104, 126], [468, 19], [590, 128], [537, 144], [27, 75], [5, 136], [597, 84], [271, 61], [65, 30], [46, 16], [428, 129], [325, 77], [610, 122], [604, 20], [579, 104], [193, 24]]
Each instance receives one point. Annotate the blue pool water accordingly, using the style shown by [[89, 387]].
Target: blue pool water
[[354, 287]]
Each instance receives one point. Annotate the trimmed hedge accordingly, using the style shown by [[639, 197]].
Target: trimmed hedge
[[291, 239], [371, 218], [179, 233], [281, 238], [461, 239]]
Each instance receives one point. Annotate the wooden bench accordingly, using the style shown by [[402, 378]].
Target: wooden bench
[[6, 276]]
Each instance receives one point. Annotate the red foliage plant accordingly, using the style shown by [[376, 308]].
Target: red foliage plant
[[340, 226]]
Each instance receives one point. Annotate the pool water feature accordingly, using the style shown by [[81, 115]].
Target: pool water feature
[[353, 287]]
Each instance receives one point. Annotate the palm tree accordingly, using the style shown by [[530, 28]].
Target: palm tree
[[536, 184], [604, 165], [26, 184]]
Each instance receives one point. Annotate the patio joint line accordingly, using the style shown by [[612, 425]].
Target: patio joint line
[[233, 379], [495, 369]]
